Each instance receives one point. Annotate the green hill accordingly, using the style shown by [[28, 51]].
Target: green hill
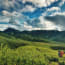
[[31, 47], [38, 35]]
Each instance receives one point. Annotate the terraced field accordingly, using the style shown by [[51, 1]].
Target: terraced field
[[24, 49]]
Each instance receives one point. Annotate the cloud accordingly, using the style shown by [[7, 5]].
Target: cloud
[[28, 9], [54, 8], [32, 15], [40, 3], [39, 24], [58, 20], [3, 27]]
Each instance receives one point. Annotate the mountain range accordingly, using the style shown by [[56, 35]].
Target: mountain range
[[36, 35]]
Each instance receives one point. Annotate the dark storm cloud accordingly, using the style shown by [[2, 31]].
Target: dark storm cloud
[[58, 19]]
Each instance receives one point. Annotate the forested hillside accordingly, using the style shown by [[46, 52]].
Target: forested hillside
[[38, 35]]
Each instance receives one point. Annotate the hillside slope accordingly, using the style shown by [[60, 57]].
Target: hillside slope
[[29, 48], [38, 35]]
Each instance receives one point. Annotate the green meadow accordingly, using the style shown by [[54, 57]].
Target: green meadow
[[22, 52], [29, 50]]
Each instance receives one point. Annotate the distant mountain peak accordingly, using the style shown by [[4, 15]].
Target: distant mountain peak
[[9, 30]]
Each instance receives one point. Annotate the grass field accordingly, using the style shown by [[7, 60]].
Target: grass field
[[22, 52], [28, 50]]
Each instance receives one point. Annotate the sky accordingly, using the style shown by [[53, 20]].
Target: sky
[[32, 14]]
